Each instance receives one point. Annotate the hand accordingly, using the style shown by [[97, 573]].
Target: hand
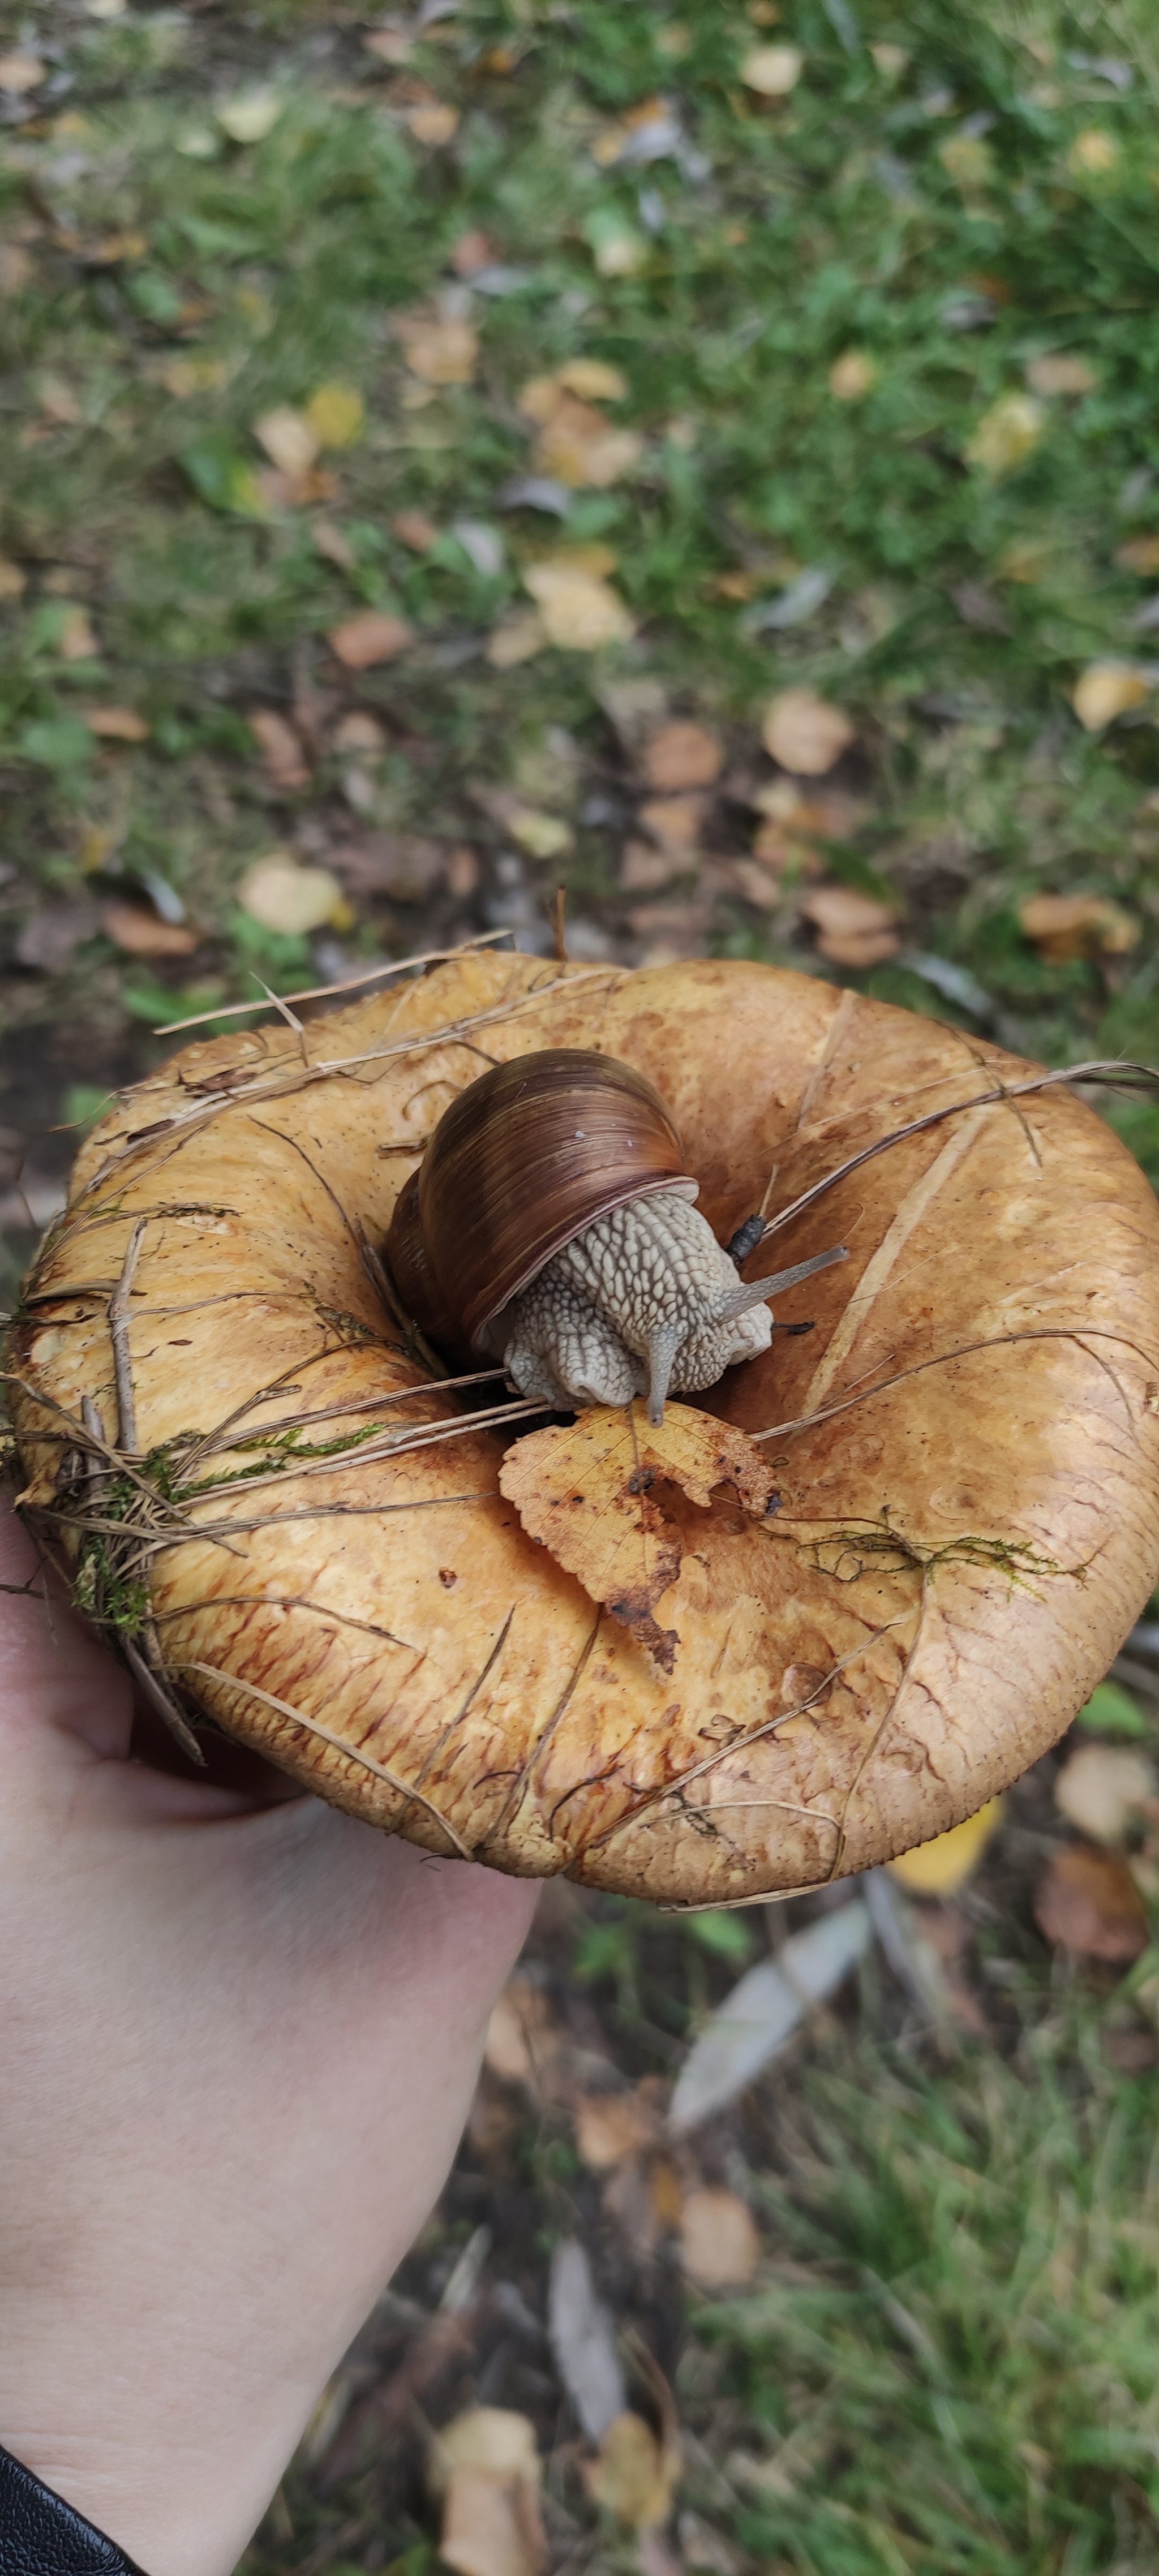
[[238, 2035]]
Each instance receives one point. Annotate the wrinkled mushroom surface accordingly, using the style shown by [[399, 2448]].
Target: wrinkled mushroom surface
[[966, 1446]]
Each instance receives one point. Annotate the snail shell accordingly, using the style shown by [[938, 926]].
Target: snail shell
[[518, 1166]]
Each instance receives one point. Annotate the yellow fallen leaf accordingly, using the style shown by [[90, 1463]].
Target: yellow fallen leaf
[[373, 637], [250, 114], [634, 2476], [580, 613], [852, 376], [968, 161], [116, 724], [540, 397], [585, 1491], [440, 353], [432, 121], [1107, 690], [77, 640], [853, 929], [284, 897], [1056, 373], [942, 1866], [186, 376], [804, 732], [516, 639], [1063, 926], [486, 2467], [772, 70], [1006, 434], [20, 72], [543, 836], [593, 379], [336, 414], [576, 446], [719, 2244], [1093, 153], [1102, 1787], [289, 440], [610, 2126]]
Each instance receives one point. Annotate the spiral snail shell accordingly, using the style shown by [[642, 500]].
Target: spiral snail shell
[[550, 1223]]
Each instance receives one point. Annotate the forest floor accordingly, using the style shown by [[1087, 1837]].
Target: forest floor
[[705, 459]]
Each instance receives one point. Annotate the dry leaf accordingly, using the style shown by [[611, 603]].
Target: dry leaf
[[772, 70], [13, 582], [432, 121], [1006, 434], [336, 415], [521, 2034], [1140, 554], [77, 640], [675, 821], [280, 748], [331, 543], [755, 2022], [372, 637], [580, 613], [116, 724], [360, 732], [1063, 926], [587, 1491], [543, 836], [634, 2476], [140, 933], [414, 529], [250, 114], [583, 2341], [719, 2244], [1087, 1901], [471, 252], [16, 268], [1093, 153], [940, 1867], [644, 870], [486, 2466], [852, 376], [288, 439], [441, 353], [186, 376], [577, 447], [682, 755], [610, 2126], [1102, 1787], [391, 44], [20, 72], [1107, 690], [592, 378], [287, 898], [968, 161], [804, 732], [852, 929], [1055, 373], [516, 639]]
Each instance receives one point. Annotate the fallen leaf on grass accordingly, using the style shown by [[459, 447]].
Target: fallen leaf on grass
[[521, 2035], [1140, 554], [772, 70], [1087, 1901], [360, 733], [486, 2467], [719, 2244], [804, 732], [250, 114], [940, 1867], [139, 933], [77, 641], [336, 414], [183, 377], [17, 268], [635, 2475], [610, 2126], [280, 748], [391, 44], [586, 1490], [1093, 153], [1063, 926], [644, 870], [285, 897], [579, 610], [1056, 373], [852, 929], [682, 755], [13, 582], [675, 822], [1107, 690], [1102, 1787], [439, 352], [331, 543], [577, 445], [433, 121], [20, 72], [759, 2017], [852, 376], [414, 529], [116, 724], [516, 639], [288, 439], [372, 637], [583, 2341], [1006, 434], [472, 251]]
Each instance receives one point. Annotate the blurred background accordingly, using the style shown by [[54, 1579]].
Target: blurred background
[[705, 460]]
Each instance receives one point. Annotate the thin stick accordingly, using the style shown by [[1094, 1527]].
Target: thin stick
[[119, 1336], [165, 1707], [350, 983]]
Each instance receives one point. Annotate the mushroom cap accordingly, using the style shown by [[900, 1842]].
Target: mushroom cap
[[966, 1445]]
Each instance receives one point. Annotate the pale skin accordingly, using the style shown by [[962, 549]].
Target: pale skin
[[239, 2035]]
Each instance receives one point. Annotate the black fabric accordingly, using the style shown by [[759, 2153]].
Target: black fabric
[[40, 2535]]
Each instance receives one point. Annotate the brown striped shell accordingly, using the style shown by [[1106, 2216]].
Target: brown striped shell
[[520, 1163]]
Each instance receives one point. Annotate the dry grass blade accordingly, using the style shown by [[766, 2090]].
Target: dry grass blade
[[327, 992], [339, 1744]]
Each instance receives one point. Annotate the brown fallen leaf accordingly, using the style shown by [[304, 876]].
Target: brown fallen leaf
[[116, 724], [682, 755], [853, 929], [280, 748], [610, 2126], [13, 582], [719, 2244], [331, 543], [592, 1492], [438, 352], [1087, 1901], [679, 927], [1063, 926], [361, 734], [516, 638], [289, 440], [20, 72], [1056, 373], [405, 867], [675, 822], [804, 732], [414, 529], [634, 2475], [471, 252], [522, 2037], [644, 870], [432, 121], [141, 933], [77, 640], [577, 446], [17, 268], [579, 611], [1107, 690], [1140, 554], [1102, 1787], [486, 2467], [371, 637], [852, 376]]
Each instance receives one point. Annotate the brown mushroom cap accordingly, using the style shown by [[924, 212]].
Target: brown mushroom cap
[[966, 1445]]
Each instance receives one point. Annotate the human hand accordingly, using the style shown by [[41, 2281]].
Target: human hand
[[239, 2034]]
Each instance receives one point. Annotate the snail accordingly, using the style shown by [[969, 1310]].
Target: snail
[[550, 1225]]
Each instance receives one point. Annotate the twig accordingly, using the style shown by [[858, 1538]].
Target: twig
[[350, 984], [119, 1336]]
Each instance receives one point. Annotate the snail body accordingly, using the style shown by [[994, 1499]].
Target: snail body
[[551, 1225]]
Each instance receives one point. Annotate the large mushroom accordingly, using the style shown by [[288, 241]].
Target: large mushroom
[[790, 1630]]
